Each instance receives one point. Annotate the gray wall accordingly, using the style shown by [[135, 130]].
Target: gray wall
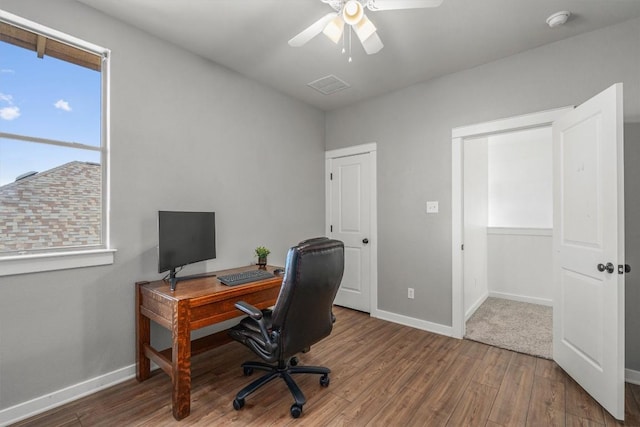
[[186, 134], [632, 247], [412, 128], [182, 128]]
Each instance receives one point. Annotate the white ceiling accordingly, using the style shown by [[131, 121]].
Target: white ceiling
[[250, 36]]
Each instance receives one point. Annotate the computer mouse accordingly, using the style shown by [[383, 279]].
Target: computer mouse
[[278, 271]]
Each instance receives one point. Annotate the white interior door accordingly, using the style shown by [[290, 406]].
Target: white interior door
[[350, 221], [588, 315]]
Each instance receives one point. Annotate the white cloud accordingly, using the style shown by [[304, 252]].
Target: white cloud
[[9, 113], [7, 70], [62, 105], [6, 98]]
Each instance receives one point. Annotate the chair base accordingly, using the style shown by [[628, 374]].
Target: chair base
[[284, 370]]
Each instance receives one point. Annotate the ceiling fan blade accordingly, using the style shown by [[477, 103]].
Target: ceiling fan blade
[[364, 29], [372, 44], [312, 30], [401, 4], [334, 29]]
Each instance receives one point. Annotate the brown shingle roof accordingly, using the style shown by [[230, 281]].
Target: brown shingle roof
[[60, 207]]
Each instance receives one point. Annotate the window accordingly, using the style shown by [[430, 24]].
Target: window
[[53, 150]]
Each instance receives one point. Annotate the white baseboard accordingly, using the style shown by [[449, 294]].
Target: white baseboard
[[475, 306], [522, 298], [51, 400], [632, 376], [436, 328]]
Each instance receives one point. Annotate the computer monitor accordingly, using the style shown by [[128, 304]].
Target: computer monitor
[[184, 238]]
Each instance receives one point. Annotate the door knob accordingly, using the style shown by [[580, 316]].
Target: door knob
[[365, 240], [609, 268]]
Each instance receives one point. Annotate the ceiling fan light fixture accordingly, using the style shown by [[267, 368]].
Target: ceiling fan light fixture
[[365, 28], [352, 12], [334, 29]]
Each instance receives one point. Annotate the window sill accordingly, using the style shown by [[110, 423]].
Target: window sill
[[23, 264]]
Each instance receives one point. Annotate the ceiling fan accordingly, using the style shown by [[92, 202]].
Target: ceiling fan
[[351, 12]]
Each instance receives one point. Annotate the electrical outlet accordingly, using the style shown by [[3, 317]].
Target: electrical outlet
[[432, 207], [410, 293]]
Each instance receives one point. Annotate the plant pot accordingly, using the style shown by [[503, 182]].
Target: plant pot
[[262, 262]]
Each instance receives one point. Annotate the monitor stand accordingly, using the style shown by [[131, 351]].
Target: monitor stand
[[173, 280]]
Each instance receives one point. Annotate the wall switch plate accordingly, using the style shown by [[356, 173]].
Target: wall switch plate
[[410, 293], [432, 207]]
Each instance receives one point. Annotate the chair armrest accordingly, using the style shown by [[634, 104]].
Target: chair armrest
[[256, 315], [249, 310]]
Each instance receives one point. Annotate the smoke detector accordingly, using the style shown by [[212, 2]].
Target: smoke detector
[[558, 18]]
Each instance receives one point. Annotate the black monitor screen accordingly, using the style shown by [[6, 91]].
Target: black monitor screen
[[185, 238]]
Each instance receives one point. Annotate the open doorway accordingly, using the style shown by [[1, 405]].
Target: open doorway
[[508, 223], [506, 237]]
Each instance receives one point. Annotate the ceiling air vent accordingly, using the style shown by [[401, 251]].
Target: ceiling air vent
[[329, 84]]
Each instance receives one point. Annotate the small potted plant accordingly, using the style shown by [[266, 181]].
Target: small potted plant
[[262, 253]]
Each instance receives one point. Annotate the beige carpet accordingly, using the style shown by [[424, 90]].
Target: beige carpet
[[517, 326]]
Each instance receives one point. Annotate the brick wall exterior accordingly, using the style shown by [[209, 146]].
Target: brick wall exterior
[[60, 207]]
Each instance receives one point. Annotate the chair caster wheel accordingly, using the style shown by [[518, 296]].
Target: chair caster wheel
[[247, 371], [238, 404], [296, 410], [293, 361], [325, 380]]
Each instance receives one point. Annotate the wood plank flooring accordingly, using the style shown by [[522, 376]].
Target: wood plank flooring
[[383, 374]]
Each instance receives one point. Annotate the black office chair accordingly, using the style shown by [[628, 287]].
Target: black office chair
[[301, 317]]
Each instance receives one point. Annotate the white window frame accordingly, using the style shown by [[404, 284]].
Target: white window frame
[[65, 259]]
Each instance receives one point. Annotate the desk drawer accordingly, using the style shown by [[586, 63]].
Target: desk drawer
[[156, 308], [206, 315]]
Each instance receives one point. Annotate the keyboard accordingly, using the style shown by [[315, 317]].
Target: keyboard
[[244, 277]]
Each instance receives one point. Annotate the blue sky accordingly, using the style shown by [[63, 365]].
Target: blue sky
[[47, 98]]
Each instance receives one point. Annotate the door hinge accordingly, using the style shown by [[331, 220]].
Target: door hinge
[[331, 228], [462, 247], [331, 176]]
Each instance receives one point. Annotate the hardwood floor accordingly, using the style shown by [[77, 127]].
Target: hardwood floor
[[383, 374]]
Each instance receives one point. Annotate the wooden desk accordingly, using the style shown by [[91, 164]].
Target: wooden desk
[[195, 303]]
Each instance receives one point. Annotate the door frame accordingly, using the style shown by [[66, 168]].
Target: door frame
[[369, 148], [458, 135]]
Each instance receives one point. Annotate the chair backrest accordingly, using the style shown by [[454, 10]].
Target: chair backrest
[[303, 312]]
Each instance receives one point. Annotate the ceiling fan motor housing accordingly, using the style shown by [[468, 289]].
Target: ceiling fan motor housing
[[352, 12]]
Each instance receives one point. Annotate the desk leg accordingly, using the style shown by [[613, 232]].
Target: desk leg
[[181, 364], [143, 337]]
